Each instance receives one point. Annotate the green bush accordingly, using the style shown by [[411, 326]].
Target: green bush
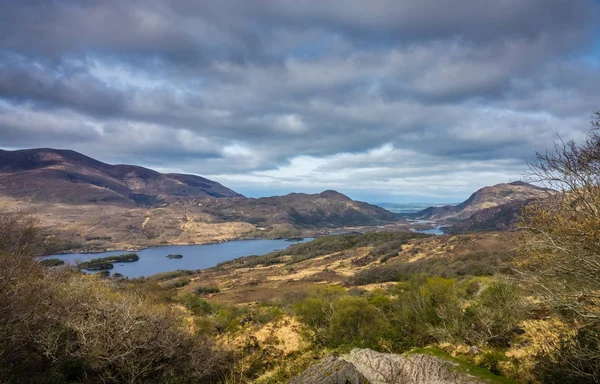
[[494, 315], [195, 304], [207, 289], [355, 322], [181, 283]]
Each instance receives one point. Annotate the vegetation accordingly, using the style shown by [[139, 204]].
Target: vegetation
[[207, 290], [104, 263], [170, 256], [59, 326], [414, 315], [52, 262], [460, 266], [384, 243], [561, 256]]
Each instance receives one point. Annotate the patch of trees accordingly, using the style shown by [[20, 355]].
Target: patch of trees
[[52, 262], [104, 263], [414, 314]]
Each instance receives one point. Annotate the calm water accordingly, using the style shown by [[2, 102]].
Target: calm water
[[433, 231], [154, 260]]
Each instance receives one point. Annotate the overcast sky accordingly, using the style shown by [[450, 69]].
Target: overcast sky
[[383, 100]]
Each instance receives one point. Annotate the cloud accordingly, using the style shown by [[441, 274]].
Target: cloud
[[383, 98]]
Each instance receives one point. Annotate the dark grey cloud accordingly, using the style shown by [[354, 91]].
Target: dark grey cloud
[[411, 98]]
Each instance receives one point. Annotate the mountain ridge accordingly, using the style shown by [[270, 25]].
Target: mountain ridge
[[496, 207], [86, 204], [67, 176]]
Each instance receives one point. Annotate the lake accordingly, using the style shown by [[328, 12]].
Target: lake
[[433, 231], [154, 260]]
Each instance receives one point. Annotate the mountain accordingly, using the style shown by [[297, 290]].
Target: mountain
[[490, 200], [89, 205], [64, 176], [325, 209]]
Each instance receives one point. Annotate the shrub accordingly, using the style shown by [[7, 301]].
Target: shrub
[[195, 304], [207, 289], [355, 322], [496, 313], [181, 283]]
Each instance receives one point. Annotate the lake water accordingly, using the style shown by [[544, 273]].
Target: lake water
[[154, 260], [433, 231]]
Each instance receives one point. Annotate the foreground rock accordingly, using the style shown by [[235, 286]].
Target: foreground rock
[[367, 366], [331, 370]]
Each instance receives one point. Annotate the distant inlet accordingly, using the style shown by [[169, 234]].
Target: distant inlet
[[154, 260]]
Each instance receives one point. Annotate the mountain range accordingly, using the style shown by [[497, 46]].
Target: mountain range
[[93, 205], [64, 176], [84, 203]]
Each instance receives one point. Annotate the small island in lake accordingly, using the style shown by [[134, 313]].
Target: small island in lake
[[104, 263], [170, 256], [52, 262]]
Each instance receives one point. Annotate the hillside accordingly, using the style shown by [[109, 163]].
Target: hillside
[[64, 176], [492, 200], [86, 204], [325, 209]]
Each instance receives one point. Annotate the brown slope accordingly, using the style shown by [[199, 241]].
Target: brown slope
[[514, 194], [64, 176], [325, 209]]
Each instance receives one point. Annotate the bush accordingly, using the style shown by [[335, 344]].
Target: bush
[[59, 326], [195, 304], [206, 290], [495, 314], [355, 322], [181, 283]]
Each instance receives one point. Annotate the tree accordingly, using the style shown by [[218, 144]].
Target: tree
[[560, 258]]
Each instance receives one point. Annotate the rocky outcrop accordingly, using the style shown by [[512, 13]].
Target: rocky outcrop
[[368, 366], [331, 370]]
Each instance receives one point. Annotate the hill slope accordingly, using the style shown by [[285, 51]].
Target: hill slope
[[87, 204], [64, 176], [490, 199]]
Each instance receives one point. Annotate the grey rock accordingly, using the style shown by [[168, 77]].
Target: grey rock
[[330, 370], [368, 366]]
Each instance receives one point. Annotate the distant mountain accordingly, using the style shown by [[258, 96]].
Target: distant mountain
[[64, 176], [325, 209], [90, 205], [488, 202]]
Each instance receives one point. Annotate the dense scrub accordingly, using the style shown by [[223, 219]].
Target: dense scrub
[[460, 266], [414, 314], [58, 325]]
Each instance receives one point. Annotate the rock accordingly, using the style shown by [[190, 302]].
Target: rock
[[368, 366], [331, 370], [474, 350]]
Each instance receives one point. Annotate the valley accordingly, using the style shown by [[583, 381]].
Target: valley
[[278, 283]]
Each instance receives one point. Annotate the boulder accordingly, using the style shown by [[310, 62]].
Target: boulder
[[330, 370], [368, 366]]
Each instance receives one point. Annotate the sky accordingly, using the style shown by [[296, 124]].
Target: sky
[[383, 100]]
